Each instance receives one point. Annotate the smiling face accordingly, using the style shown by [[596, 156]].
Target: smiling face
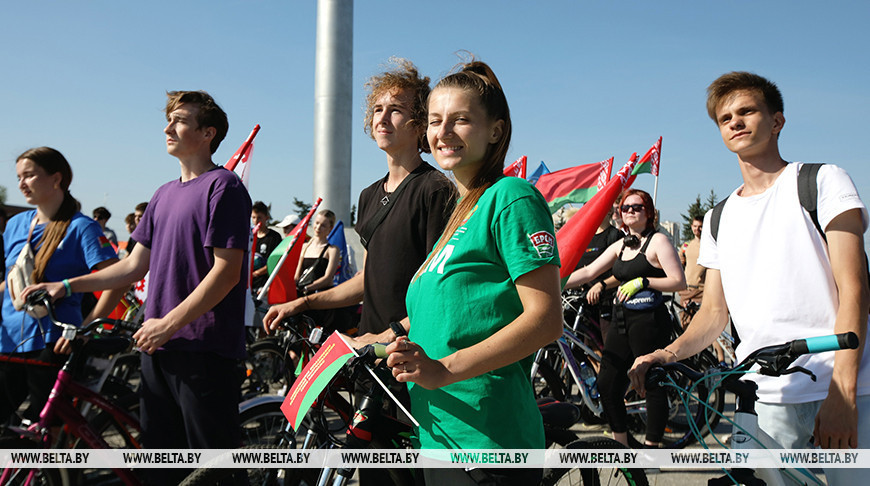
[[36, 185], [697, 226], [747, 126], [321, 226], [392, 126], [460, 131], [184, 137]]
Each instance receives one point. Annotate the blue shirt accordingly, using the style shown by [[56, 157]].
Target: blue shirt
[[82, 248]]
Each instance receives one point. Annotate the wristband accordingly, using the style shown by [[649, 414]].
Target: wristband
[[673, 353], [67, 287], [632, 287], [603, 285]]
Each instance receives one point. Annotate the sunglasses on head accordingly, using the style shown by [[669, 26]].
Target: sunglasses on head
[[635, 207]]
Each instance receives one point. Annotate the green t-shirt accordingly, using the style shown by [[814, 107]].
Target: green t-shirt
[[465, 295]]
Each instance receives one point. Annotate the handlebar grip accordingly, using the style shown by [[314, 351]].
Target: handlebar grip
[[821, 344], [379, 349], [128, 326]]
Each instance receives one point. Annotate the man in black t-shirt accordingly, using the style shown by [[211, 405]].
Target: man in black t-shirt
[[396, 120], [267, 241]]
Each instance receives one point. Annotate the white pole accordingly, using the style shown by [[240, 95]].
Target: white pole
[[333, 105]]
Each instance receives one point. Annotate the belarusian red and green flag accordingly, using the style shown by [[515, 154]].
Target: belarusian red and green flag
[[324, 365], [282, 262], [575, 236], [649, 163], [573, 185]]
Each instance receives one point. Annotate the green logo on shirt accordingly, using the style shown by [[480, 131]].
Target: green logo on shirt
[[544, 243]]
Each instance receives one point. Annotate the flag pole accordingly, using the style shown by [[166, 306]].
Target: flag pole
[[265, 290], [655, 190]]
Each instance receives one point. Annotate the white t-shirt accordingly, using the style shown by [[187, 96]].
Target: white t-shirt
[[777, 276]]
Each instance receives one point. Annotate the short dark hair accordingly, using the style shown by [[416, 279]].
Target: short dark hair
[[102, 213], [142, 206], [742, 80], [209, 115], [260, 207], [699, 218]]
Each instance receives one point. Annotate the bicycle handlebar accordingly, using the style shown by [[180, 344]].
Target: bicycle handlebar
[[773, 360], [41, 298]]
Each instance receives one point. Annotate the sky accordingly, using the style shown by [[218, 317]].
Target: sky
[[585, 80]]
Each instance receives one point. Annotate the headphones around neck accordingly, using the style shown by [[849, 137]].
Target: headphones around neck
[[633, 241]]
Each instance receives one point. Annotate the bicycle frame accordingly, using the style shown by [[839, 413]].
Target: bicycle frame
[[574, 367], [746, 433], [773, 361]]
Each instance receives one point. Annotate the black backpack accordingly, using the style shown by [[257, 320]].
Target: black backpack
[[808, 195]]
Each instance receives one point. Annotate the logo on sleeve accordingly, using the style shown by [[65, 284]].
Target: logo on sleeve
[[544, 243], [104, 242]]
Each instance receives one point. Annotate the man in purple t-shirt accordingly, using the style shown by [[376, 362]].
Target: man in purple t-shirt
[[193, 238]]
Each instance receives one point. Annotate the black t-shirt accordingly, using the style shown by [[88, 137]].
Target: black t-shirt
[[599, 243], [401, 242], [265, 246]]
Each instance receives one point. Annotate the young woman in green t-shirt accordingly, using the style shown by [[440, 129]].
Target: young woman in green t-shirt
[[488, 295]]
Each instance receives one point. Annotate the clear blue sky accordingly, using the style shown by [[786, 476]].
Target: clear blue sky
[[585, 81]]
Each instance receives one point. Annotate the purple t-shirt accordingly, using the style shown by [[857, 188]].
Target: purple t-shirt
[[184, 221]]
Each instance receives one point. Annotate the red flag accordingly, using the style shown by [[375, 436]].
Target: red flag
[[240, 161], [281, 286], [575, 236], [572, 185], [517, 169], [604, 175]]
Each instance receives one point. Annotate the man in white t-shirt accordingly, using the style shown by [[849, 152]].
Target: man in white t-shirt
[[767, 245]]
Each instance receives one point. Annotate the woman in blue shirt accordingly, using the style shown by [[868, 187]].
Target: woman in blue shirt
[[66, 244]]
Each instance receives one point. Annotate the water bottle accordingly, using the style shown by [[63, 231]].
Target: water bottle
[[589, 380]]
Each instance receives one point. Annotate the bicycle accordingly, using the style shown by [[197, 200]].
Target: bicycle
[[577, 356], [269, 369], [773, 361], [62, 405]]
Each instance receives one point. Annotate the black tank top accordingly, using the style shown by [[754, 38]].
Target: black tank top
[[638, 266], [319, 269]]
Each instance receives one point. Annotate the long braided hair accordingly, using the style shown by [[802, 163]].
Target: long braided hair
[[52, 162]]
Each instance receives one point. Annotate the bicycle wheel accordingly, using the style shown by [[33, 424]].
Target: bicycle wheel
[[594, 477], [209, 476], [262, 424], [268, 370], [42, 477]]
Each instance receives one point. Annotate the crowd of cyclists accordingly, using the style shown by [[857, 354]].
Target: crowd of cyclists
[[468, 267]]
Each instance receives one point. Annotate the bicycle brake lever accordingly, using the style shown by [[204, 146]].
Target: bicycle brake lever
[[800, 369]]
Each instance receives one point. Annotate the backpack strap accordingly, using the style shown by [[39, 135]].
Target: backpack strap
[[715, 217], [808, 193]]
